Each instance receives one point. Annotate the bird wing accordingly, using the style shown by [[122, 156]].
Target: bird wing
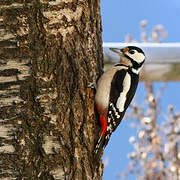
[[114, 116], [117, 85]]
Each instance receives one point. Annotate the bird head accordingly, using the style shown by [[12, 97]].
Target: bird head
[[131, 56]]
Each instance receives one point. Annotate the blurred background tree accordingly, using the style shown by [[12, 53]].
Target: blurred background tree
[[156, 154]]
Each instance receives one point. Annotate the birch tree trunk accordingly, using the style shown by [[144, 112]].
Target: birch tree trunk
[[49, 52]]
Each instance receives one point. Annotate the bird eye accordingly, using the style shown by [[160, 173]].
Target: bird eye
[[131, 52]]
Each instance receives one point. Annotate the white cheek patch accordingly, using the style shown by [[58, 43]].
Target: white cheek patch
[[138, 57], [122, 97]]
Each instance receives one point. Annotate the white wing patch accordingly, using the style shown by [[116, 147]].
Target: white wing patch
[[122, 97]]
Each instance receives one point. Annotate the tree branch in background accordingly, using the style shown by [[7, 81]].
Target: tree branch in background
[[157, 147]]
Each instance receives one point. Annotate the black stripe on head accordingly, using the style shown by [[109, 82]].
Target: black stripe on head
[[119, 64], [134, 63], [135, 48]]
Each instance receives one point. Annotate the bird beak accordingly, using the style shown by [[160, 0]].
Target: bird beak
[[116, 50]]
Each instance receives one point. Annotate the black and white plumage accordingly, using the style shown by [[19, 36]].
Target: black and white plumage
[[115, 91]]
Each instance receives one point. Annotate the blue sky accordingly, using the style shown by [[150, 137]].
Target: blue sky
[[119, 146], [120, 17]]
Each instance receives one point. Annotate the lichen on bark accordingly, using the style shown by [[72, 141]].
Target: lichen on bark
[[49, 53]]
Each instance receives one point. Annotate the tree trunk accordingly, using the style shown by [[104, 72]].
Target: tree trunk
[[49, 52]]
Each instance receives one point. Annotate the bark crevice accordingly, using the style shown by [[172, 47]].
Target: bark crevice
[[49, 52]]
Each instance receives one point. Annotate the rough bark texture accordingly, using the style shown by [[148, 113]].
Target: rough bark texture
[[49, 52]]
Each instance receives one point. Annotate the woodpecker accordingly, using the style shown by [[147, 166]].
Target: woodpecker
[[115, 91]]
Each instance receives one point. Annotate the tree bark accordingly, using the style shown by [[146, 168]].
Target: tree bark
[[49, 52]]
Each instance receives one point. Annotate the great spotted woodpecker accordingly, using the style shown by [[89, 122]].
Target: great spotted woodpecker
[[115, 91]]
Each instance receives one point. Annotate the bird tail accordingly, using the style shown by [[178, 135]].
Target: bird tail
[[101, 141], [99, 148]]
